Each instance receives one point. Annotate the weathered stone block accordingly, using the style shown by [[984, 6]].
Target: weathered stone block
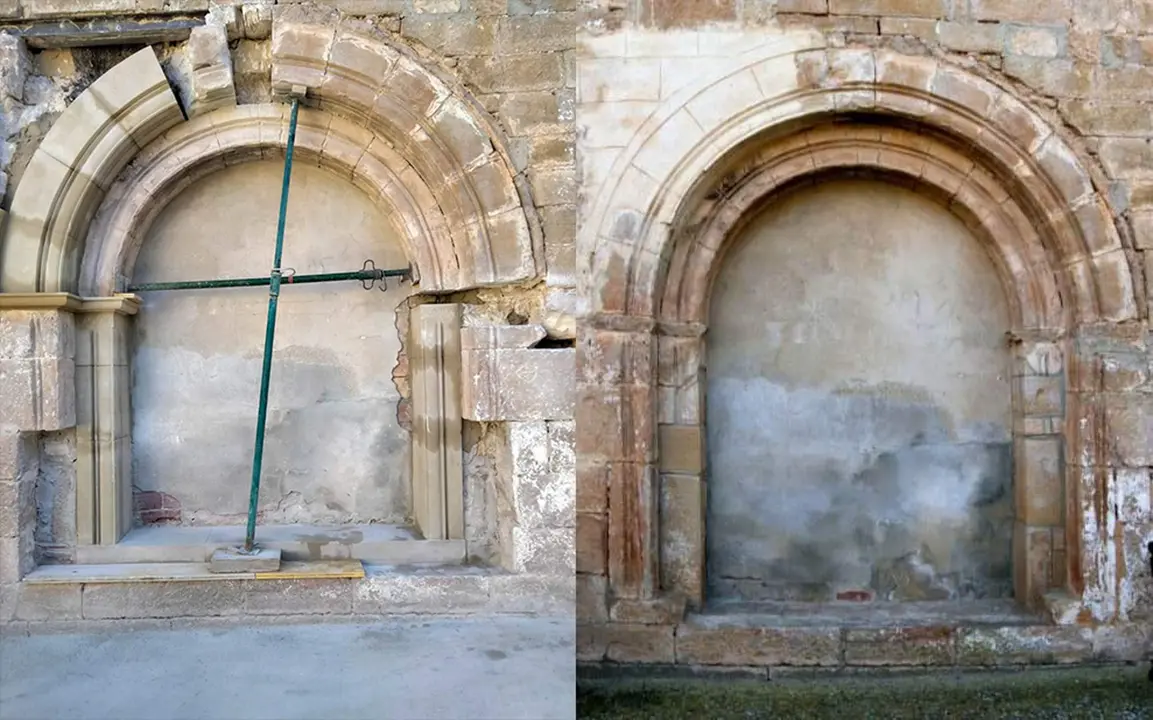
[[451, 35], [903, 646], [686, 13], [682, 528], [445, 592], [257, 20], [562, 447], [17, 506], [1028, 645], [553, 186], [591, 543], [1045, 42], [547, 551], [37, 394], [906, 8], [1126, 157], [625, 643], [812, 7], [702, 644], [208, 46], [19, 454], [15, 64], [1021, 10], [665, 610], [48, 602], [969, 37], [28, 334], [592, 487], [298, 597], [1143, 225], [512, 74], [1040, 481], [536, 34], [163, 599], [1129, 419], [518, 384], [923, 28], [590, 598], [551, 594], [681, 449]]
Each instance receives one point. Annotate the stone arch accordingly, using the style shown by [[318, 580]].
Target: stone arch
[[87, 147], [352, 70], [653, 181], [794, 111], [459, 171], [233, 135]]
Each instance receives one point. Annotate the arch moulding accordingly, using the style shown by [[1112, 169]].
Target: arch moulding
[[476, 230], [707, 158]]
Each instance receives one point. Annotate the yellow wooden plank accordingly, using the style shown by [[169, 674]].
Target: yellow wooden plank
[[315, 569]]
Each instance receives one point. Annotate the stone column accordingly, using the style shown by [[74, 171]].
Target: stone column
[[1039, 478], [437, 463], [681, 438], [104, 501], [616, 444]]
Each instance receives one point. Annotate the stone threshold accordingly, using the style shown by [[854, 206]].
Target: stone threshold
[[862, 615], [594, 672], [370, 543], [742, 640], [189, 572], [384, 590]]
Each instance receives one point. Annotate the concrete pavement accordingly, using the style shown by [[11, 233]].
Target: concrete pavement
[[501, 667]]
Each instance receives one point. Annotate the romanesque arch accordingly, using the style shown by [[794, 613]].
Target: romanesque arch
[[793, 111], [475, 230], [411, 139]]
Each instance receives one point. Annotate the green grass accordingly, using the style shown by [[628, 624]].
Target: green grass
[[1116, 693]]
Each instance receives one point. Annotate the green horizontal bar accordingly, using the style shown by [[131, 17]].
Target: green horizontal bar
[[257, 282]]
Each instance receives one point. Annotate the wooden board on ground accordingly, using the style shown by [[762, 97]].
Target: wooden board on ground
[[188, 572]]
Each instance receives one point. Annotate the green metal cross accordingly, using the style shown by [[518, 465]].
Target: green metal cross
[[368, 274]]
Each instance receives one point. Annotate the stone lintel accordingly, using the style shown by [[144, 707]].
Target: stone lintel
[[47, 35]]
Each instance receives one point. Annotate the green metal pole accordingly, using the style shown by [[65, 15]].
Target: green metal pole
[[269, 334], [256, 282]]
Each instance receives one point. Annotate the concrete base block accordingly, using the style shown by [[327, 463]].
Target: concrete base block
[[237, 560]]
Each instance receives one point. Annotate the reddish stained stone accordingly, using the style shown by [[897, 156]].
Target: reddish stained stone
[[157, 507], [855, 595]]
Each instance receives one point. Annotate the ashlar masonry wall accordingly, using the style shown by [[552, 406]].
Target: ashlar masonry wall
[[1030, 122]]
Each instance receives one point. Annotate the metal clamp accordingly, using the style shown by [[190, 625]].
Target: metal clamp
[[369, 282]]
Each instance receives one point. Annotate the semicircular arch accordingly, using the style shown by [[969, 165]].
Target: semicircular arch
[[656, 181]]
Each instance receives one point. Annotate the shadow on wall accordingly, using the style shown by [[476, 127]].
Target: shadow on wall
[[857, 496]]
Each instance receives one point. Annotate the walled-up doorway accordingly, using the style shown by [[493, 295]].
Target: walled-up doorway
[[335, 452], [858, 404]]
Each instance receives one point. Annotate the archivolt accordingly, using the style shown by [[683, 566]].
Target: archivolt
[[426, 148], [1056, 215]]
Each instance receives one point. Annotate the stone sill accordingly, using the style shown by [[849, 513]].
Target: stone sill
[[379, 544], [384, 590], [594, 671], [730, 646]]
